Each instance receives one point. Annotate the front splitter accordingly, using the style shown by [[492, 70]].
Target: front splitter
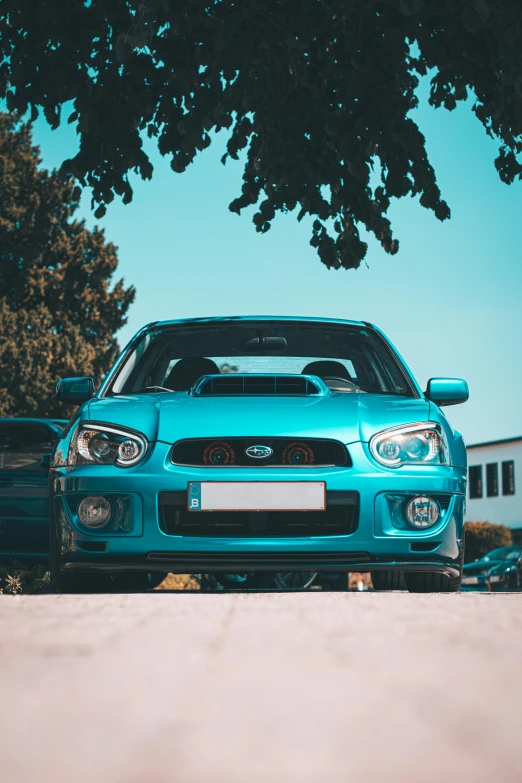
[[204, 562]]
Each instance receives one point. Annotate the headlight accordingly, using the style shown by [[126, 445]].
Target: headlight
[[423, 443], [97, 444]]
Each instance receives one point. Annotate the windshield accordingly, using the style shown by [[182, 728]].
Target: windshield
[[349, 359], [503, 553]]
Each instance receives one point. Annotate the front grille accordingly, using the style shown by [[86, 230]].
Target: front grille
[[339, 519], [291, 452]]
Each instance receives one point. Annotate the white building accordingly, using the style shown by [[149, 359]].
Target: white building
[[495, 482]]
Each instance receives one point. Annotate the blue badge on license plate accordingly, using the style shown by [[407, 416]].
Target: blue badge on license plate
[[194, 496], [256, 496]]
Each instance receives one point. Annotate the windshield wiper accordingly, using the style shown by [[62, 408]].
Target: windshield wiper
[[153, 389]]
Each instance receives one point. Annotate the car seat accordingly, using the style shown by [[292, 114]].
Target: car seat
[[327, 369], [186, 372]]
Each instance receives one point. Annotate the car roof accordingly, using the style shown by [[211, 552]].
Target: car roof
[[247, 318], [298, 318]]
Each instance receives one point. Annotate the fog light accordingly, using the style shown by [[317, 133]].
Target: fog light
[[422, 511], [94, 511]]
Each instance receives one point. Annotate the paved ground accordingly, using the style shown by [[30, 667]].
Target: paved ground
[[249, 688]]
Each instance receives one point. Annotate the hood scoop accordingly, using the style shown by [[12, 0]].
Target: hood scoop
[[262, 385]]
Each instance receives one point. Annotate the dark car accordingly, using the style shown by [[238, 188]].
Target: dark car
[[24, 494], [500, 569]]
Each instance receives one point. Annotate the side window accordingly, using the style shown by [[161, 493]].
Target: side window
[[475, 482], [508, 477], [492, 480], [22, 446]]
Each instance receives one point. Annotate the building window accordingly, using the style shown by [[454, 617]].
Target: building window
[[492, 480], [475, 482], [508, 477]]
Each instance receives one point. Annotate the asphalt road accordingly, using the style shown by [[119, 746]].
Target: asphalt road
[[302, 687]]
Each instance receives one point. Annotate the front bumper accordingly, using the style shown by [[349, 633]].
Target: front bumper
[[376, 543]]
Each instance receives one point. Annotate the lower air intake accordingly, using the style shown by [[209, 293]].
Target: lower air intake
[[339, 519]]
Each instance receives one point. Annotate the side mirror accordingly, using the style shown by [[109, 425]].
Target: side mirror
[[447, 391], [45, 462], [74, 391]]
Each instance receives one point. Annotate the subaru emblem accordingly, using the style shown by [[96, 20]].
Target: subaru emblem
[[259, 452]]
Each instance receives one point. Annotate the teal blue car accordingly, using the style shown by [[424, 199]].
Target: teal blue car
[[248, 446]]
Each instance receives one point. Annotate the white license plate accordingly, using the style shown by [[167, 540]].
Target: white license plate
[[257, 496], [470, 580]]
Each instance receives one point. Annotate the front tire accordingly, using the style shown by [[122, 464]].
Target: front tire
[[432, 583], [388, 580], [516, 581]]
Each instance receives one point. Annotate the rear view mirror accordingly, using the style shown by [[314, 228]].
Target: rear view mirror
[[74, 391], [447, 391], [266, 344]]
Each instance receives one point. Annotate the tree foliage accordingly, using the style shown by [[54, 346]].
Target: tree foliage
[[482, 537], [58, 308], [318, 93]]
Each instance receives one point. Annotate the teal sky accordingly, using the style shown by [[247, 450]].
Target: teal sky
[[450, 299]]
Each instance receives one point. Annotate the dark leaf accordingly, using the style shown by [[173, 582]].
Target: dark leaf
[[409, 7], [122, 49], [315, 97]]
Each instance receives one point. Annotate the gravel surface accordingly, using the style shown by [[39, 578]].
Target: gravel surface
[[303, 687]]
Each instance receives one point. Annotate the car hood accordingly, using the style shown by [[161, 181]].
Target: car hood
[[346, 417]]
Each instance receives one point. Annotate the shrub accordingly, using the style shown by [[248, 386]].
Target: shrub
[[482, 537], [21, 578]]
